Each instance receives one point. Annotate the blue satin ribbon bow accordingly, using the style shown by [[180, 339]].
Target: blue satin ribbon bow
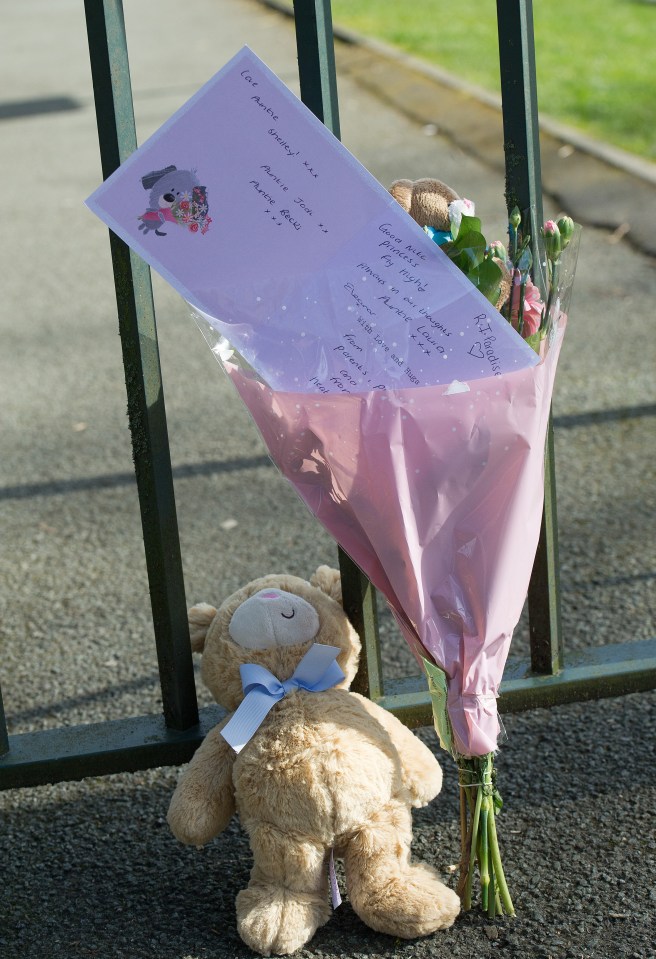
[[316, 672]]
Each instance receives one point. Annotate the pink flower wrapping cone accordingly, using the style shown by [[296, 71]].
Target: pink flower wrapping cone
[[437, 496]]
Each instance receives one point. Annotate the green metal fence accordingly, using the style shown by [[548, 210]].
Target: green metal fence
[[140, 742]]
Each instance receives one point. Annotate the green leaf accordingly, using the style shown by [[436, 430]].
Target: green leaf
[[469, 248], [464, 261], [469, 224], [488, 279]]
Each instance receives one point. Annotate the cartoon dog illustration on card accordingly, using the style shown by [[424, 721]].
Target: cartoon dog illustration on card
[[177, 197]]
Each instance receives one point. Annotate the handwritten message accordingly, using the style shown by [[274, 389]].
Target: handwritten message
[[271, 229]]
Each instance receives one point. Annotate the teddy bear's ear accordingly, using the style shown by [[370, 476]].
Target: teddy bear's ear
[[328, 581], [401, 190], [200, 619]]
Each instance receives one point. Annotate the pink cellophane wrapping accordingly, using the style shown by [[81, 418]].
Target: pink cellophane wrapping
[[438, 499]]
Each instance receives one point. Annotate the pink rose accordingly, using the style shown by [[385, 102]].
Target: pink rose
[[193, 227], [533, 307], [184, 204]]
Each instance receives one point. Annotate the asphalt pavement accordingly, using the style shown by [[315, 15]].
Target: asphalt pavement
[[90, 869]]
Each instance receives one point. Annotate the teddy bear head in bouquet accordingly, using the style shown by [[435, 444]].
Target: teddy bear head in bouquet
[[435, 206], [314, 771], [426, 200]]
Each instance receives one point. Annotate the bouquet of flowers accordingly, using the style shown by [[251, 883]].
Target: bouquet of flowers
[[495, 266], [436, 493], [502, 273], [192, 211]]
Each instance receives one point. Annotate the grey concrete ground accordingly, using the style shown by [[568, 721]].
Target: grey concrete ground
[[89, 869]]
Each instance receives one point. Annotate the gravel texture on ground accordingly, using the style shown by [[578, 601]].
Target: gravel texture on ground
[[89, 868]]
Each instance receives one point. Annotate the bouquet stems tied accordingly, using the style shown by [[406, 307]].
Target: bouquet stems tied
[[479, 804]]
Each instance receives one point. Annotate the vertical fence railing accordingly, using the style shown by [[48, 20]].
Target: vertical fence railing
[[318, 82], [147, 416], [317, 73], [4, 737], [523, 189]]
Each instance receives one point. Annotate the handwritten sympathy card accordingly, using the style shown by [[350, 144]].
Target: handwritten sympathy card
[[268, 226]]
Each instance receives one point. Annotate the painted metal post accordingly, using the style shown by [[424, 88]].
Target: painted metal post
[[4, 738], [523, 189], [317, 75], [359, 600], [146, 411], [316, 60]]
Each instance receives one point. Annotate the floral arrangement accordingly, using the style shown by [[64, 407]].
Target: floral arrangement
[[503, 274], [491, 267], [192, 211], [430, 545], [432, 555]]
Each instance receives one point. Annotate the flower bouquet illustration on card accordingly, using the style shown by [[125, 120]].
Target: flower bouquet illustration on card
[[174, 196]]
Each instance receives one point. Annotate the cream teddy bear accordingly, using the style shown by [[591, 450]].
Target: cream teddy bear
[[326, 772]]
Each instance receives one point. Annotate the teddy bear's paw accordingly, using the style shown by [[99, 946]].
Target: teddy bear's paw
[[194, 825], [427, 784], [407, 904], [274, 920]]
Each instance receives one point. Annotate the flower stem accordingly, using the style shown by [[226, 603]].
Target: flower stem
[[463, 818], [520, 315], [483, 860], [492, 895], [553, 290], [479, 801], [504, 895], [474, 849]]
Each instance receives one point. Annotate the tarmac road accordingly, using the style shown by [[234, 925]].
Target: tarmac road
[[90, 869]]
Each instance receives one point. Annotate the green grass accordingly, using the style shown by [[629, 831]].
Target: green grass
[[596, 59]]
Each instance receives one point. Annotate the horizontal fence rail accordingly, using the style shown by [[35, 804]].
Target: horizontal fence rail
[[144, 742]]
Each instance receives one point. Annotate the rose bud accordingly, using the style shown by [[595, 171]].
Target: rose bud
[[566, 229], [551, 235]]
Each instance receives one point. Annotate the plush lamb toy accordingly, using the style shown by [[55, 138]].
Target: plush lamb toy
[[325, 772]]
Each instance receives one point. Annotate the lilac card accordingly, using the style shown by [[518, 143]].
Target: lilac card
[[268, 226]]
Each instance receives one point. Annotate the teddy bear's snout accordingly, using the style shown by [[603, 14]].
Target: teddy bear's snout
[[169, 197], [273, 618]]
